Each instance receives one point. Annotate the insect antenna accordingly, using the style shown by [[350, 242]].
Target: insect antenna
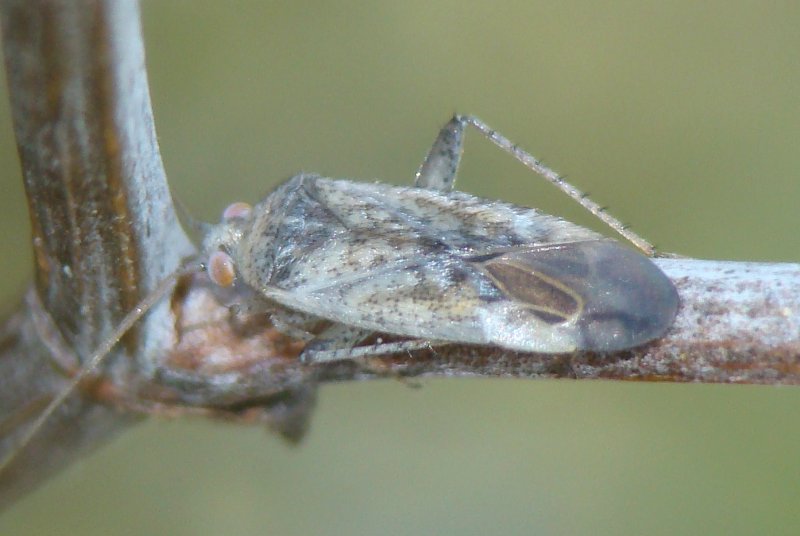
[[535, 165], [97, 357]]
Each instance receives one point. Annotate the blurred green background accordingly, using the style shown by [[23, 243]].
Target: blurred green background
[[683, 117]]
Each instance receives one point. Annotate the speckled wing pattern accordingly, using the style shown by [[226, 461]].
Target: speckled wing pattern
[[449, 266]]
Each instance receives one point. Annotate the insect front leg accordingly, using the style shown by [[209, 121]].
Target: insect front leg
[[325, 341]]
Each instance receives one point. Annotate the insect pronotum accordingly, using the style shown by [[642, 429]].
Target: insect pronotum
[[428, 265]]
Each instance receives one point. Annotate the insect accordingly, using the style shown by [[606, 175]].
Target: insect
[[335, 261], [435, 266]]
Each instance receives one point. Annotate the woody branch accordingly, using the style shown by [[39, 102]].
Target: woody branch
[[104, 233]]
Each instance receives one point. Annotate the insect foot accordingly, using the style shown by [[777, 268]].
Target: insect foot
[[434, 265]]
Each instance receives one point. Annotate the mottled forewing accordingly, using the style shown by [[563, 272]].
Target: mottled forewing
[[450, 266], [322, 231]]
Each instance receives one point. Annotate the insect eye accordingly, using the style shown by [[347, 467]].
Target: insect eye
[[221, 269], [237, 211]]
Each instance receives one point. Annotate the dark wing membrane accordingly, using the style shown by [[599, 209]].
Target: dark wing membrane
[[614, 297]]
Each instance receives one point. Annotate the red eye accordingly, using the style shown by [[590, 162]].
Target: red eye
[[238, 210], [221, 269]]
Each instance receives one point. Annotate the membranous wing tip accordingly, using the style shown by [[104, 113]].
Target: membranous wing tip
[[593, 295]]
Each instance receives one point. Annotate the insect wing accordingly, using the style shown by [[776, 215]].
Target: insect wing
[[314, 231], [454, 267], [596, 295]]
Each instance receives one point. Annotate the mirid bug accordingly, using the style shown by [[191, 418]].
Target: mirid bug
[[436, 265], [335, 261]]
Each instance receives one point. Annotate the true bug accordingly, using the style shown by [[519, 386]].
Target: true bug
[[436, 265], [427, 264]]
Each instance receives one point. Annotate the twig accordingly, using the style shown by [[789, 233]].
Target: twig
[[105, 234], [104, 229]]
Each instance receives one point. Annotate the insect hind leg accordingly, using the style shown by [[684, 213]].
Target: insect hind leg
[[440, 167], [551, 176]]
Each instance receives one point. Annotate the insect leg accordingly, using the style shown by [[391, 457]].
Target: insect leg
[[438, 170], [289, 322], [554, 178], [335, 338], [339, 354], [290, 329]]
